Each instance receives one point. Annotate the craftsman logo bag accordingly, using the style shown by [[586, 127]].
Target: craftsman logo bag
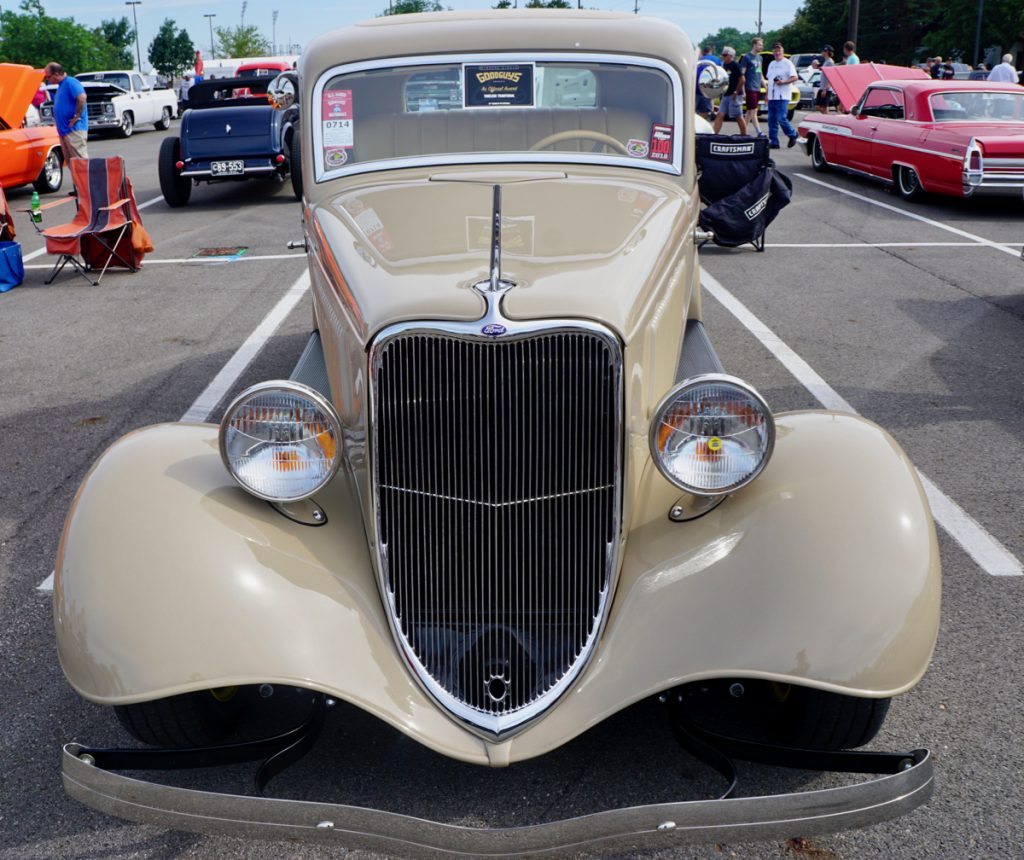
[[12, 268]]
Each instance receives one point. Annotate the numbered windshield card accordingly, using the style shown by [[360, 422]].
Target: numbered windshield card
[[337, 127], [497, 85]]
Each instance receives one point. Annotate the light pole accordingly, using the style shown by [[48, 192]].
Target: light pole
[[977, 33], [210, 16], [273, 33], [138, 50]]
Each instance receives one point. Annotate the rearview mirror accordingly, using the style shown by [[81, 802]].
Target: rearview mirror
[[283, 91]]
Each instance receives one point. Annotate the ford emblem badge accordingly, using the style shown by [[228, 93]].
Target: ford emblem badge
[[494, 330]]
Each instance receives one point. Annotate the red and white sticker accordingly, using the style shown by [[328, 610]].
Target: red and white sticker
[[661, 142], [336, 115]]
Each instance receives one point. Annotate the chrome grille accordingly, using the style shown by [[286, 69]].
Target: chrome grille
[[496, 479]]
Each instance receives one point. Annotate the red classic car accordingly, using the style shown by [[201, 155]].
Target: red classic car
[[950, 137], [28, 153]]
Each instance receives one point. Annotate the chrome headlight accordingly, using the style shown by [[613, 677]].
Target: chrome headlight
[[281, 441], [712, 435], [108, 108]]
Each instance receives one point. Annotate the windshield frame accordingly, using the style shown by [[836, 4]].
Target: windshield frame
[[673, 167], [107, 79], [974, 92]]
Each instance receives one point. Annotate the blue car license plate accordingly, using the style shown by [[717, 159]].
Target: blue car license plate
[[227, 168]]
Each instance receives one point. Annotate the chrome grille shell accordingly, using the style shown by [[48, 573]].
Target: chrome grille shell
[[459, 619]]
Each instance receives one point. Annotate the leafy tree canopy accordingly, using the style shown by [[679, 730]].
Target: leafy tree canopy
[[32, 37], [411, 7], [245, 40], [171, 51]]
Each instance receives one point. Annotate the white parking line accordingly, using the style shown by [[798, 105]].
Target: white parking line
[[938, 224], [206, 402], [989, 554], [40, 251], [207, 261], [819, 245]]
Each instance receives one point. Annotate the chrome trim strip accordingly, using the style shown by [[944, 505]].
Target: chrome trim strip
[[247, 171], [445, 498], [488, 726], [638, 828], [821, 128], [675, 167]]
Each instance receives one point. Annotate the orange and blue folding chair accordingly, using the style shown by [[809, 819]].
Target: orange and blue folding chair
[[107, 228]]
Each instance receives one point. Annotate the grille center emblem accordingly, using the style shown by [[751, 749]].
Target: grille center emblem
[[493, 330]]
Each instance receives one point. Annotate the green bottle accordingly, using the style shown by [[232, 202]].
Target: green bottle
[[37, 213]]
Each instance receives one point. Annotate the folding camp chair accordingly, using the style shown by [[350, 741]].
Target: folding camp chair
[[107, 228], [740, 187]]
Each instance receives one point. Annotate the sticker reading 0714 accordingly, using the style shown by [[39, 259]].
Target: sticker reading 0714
[[336, 126]]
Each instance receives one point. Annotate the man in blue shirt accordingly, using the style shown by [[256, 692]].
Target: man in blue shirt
[[69, 112]]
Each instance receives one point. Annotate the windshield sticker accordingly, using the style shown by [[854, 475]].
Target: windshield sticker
[[638, 148], [661, 142], [337, 127], [497, 85]]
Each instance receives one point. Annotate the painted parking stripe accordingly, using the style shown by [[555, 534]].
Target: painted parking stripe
[[200, 261], [820, 245], [981, 240], [988, 553], [206, 402], [40, 251]]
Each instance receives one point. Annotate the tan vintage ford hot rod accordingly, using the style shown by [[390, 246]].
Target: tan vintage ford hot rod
[[509, 489]]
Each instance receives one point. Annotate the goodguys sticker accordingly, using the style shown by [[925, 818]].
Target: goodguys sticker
[[497, 85], [336, 113]]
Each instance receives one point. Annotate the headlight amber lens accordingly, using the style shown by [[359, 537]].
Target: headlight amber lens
[[280, 441], [712, 435]]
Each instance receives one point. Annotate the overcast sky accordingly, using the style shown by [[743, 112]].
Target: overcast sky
[[318, 16]]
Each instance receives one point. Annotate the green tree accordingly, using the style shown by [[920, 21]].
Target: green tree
[[120, 39], [244, 40], [1002, 24], [729, 36], [32, 37], [548, 4], [411, 7], [171, 51]]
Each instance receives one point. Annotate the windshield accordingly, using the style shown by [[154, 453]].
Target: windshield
[[977, 107], [497, 109], [118, 79]]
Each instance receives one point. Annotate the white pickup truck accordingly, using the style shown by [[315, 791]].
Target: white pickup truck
[[120, 101]]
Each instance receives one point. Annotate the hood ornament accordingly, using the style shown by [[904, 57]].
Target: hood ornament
[[494, 288]]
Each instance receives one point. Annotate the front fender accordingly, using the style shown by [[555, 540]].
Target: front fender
[[823, 572]]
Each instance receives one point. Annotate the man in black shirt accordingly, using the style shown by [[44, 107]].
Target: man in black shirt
[[731, 104]]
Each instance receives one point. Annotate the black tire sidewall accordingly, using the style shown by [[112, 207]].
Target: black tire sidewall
[[175, 188], [818, 161], [40, 184]]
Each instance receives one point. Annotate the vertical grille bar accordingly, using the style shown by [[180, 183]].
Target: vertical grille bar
[[496, 481]]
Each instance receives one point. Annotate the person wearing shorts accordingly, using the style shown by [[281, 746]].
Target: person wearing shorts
[[731, 105], [824, 94], [750, 66]]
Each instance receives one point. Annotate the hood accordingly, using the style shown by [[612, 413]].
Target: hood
[[95, 89], [577, 246], [17, 86], [849, 82]]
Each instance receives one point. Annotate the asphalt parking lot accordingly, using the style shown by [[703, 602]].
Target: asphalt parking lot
[[910, 314]]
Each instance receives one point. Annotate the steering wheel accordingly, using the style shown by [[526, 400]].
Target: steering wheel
[[580, 134]]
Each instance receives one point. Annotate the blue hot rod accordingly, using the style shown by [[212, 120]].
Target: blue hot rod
[[230, 132]]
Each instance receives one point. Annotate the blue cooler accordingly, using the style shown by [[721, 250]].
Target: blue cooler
[[12, 268]]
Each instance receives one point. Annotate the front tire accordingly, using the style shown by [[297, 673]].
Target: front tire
[[51, 175], [164, 122], [908, 184], [784, 714], [190, 720], [818, 161], [176, 188], [127, 124]]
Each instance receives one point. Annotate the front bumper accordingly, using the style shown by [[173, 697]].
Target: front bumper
[[908, 782]]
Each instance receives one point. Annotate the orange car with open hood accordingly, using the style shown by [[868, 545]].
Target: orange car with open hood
[[27, 153]]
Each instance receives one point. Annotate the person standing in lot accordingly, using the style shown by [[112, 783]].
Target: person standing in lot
[[1004, 73], [750, 68], [199, 67], [69, 112], [849, 54], [824, 93], [707, 55], [731, 105], [781, 75]]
